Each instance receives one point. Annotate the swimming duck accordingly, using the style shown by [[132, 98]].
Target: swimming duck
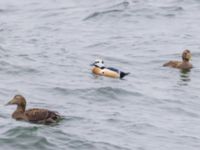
[[184, 64], [100, 69], [34, 115]]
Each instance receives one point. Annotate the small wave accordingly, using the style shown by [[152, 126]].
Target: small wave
[[99, 44], [153, 11], [16, 69], [178, 110], [193, 138], [117, 8], [173, 101], [143, 125], [8, 10], [109, 91], [142, 128], [87, 144], [51, 9], [22, 70], [1, 48], [169, 11], [173, 8], [18, 131], [168, 15], [73, 118], [4, 63], [27, 142], [97, 14], [124, 4], [108, 145], [49, 15], [26, 138]]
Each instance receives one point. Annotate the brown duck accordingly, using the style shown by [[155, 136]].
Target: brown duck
[[35, 115], [184, 64]]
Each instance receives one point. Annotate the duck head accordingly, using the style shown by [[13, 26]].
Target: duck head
[[18, 100], [186, 55], [98, 63]]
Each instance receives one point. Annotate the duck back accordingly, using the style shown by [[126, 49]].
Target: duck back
[[45, 116]]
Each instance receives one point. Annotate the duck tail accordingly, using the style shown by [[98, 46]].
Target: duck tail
[[123, 74]]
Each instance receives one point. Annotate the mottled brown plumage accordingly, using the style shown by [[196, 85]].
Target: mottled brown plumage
[[184, 64], [34, 115]]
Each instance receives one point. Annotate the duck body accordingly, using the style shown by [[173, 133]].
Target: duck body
[[106, 72], [184, 64], [99, 69], [178, 65], [35, 115]]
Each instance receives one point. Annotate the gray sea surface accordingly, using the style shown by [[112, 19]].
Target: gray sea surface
[[47, 46]]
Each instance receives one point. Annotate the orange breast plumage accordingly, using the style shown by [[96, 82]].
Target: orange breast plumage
[[106, 72]]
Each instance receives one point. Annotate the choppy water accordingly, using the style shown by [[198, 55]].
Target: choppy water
[[45, 51]]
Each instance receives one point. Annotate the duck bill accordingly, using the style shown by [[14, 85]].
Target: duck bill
[[11, 102], [189, 56]]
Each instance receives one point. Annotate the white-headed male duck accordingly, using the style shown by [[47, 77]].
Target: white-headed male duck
[[100, 69]]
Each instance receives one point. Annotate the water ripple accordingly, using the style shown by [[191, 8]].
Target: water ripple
[[98, 14]]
